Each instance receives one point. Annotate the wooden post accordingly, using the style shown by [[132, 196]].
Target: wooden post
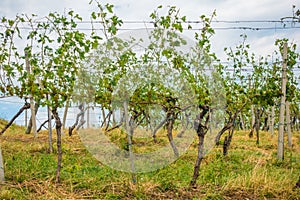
[[210, 122], [88, 116], [280, 148], [129, 137], [1, 168], [288, 123], [272, 120], [26, 118], [268, 119], [242, 122], [103, 117], [32, 107], [66, 113], [49, 119], [252, 106], [50, 128], [113, 118]]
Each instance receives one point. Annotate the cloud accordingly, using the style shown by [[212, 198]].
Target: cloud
[[140, 10]]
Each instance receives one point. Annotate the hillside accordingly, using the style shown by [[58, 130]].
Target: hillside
[[247, 172]]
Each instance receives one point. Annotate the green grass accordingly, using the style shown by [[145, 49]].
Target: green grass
[[249, 171]]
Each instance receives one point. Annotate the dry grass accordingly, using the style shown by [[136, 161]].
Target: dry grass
[[250, 171]]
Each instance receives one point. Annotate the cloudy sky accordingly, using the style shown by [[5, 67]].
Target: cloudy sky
[[262, 41]]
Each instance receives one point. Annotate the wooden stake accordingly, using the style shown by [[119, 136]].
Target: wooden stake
[[32, 107], [50, 128], [288, 123], [26, 118], [66, 113], [272, 120], [1, 168], [129, 137], [280, 148], [252, 106], [88, 116]]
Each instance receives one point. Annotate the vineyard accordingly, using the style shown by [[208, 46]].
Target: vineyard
[[172, 121]]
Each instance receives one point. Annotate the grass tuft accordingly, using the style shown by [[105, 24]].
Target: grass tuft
[[249, 171]]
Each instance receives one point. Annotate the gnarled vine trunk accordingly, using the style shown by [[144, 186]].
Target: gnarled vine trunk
[[201, 131], [82, 121], [157, 128], [24, 107], [59, 147], [298, 183], [30, 124], [227, 141], [170, 124]]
